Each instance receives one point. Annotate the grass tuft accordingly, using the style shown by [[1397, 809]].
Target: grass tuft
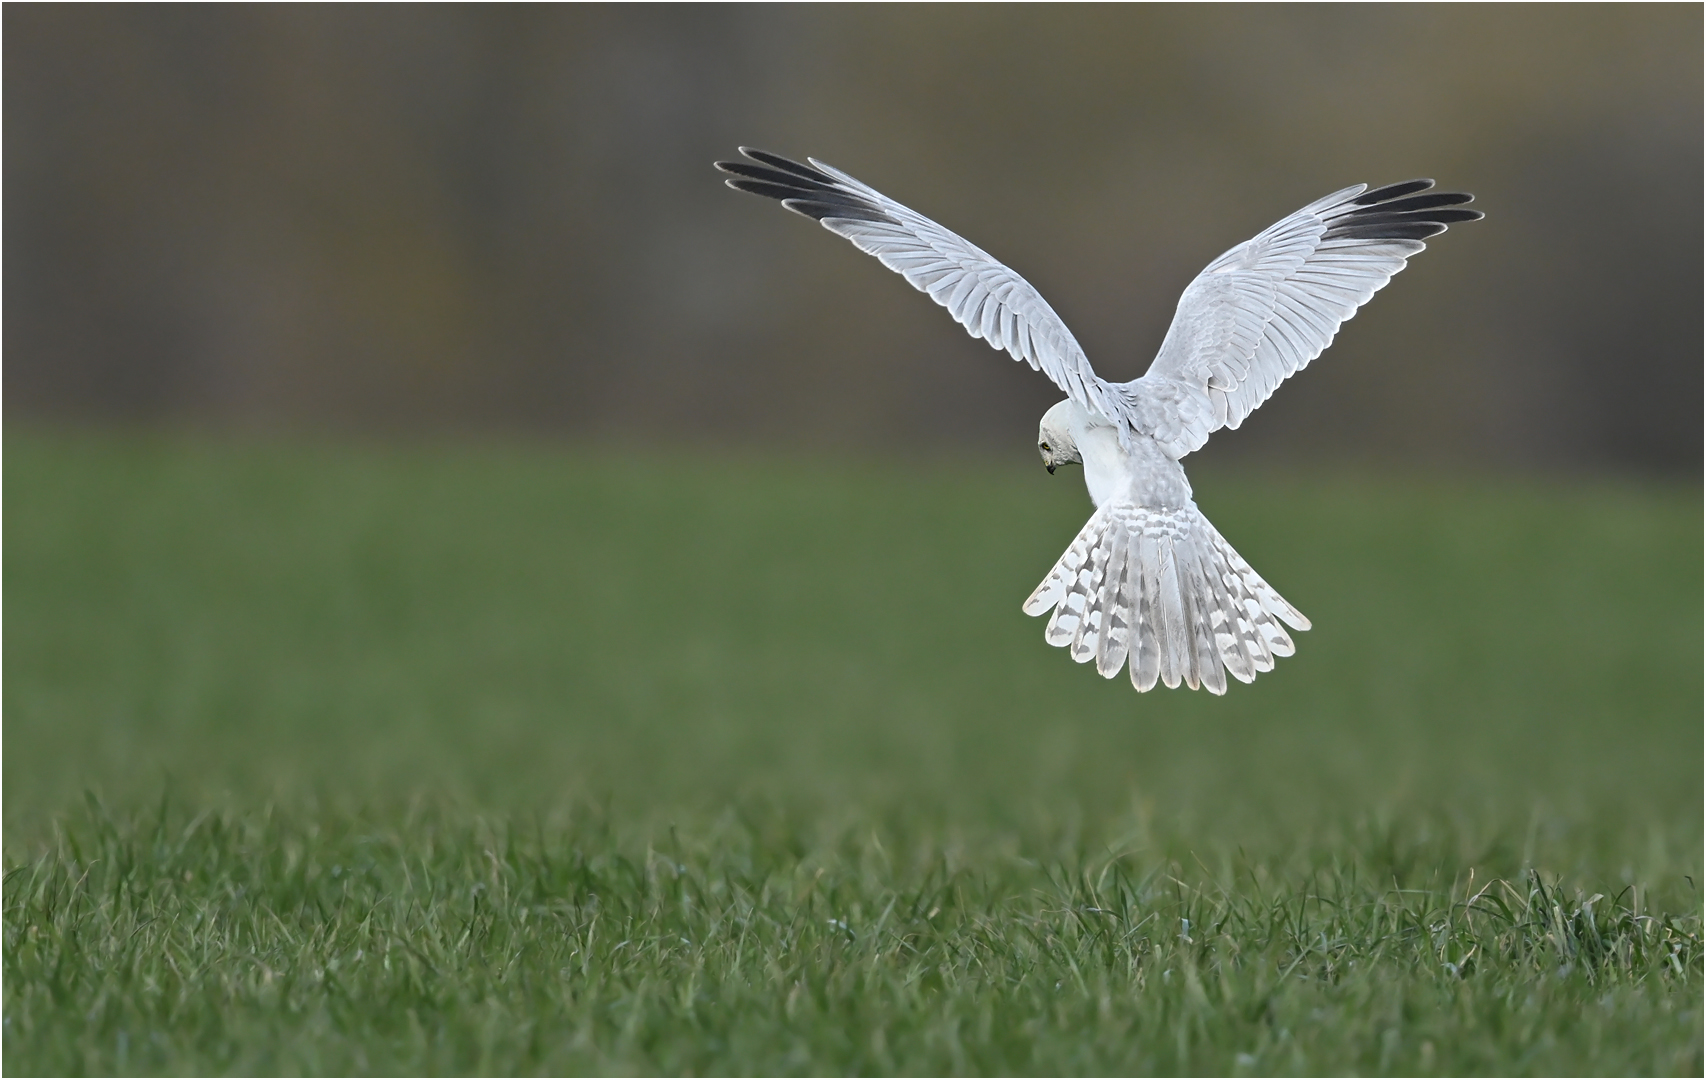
[[432, 939]]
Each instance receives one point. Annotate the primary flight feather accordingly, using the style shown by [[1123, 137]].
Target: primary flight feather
[[1149, 584]]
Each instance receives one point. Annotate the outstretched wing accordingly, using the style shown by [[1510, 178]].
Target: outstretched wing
[[989, 300], [1263, 310]]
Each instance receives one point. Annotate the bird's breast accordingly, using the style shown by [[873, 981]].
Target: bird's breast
[[1141, 475]]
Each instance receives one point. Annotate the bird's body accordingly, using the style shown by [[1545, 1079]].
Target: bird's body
[[1148, 580], [1139, 472]]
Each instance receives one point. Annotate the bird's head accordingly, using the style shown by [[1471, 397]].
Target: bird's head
[[1054, 437]]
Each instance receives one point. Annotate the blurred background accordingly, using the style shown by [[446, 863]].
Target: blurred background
[[399, 402], [499, 218]]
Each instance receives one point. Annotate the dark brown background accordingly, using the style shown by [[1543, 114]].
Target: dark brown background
[[493, 218]]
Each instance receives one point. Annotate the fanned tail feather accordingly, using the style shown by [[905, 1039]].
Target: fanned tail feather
[[1162, 593]]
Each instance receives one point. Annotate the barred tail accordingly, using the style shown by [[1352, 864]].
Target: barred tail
[[1165, 590]]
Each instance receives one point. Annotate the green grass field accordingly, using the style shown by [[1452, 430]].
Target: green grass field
[[516, 759]]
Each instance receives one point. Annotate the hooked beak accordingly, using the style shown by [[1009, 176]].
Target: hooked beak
[[1050, 469]]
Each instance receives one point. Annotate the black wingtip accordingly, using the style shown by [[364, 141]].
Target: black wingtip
[[1402, 212], [1427, 201], [788, 165], [801, 188], [773, 176]]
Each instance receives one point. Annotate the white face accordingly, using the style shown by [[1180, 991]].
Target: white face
[[1047, 453], [1054, 437]]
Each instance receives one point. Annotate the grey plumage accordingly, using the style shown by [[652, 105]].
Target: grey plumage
[[1149, 583], [1170, 582]]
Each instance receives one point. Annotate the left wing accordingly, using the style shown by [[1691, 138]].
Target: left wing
[[989, 300], [1262, 311]]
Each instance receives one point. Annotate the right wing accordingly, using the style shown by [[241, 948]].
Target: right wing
[[989, 300], [1263, 310]]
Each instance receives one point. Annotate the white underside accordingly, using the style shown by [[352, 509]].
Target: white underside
[[1140, 474]]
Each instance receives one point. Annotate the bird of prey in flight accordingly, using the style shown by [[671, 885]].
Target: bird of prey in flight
[[1148, 580]]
